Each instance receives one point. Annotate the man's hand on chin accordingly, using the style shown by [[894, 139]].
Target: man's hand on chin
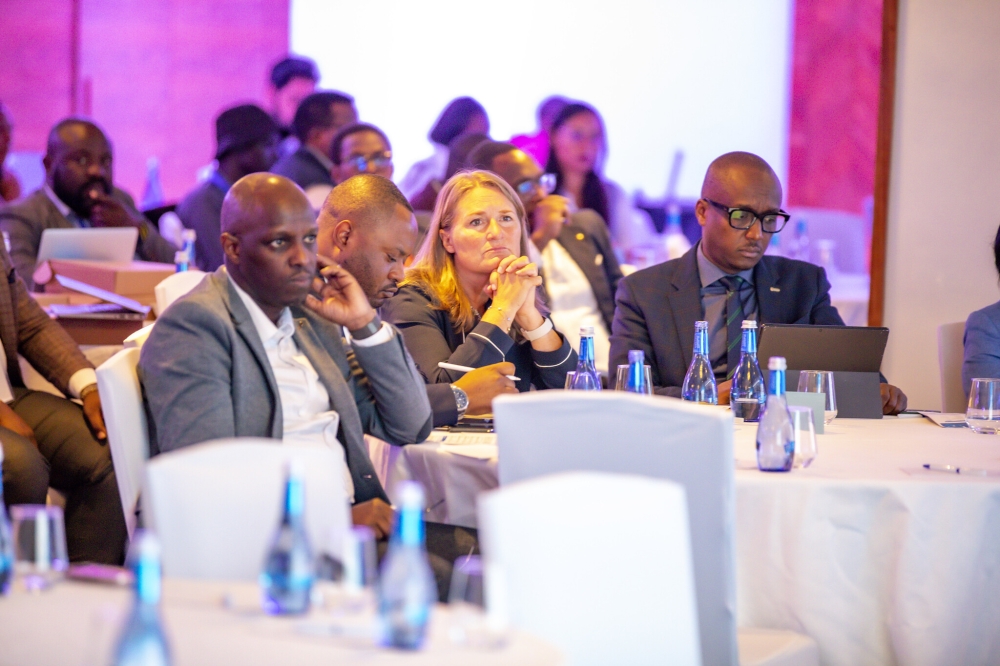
[[376, 514], [893, 400], [339, 298]]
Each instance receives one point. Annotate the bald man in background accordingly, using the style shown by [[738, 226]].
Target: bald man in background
[[264, 332], [367, 226], [726, 275]]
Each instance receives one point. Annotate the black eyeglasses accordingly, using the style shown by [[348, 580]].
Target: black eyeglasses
[[743, 218], [547, 182], [378, 159]]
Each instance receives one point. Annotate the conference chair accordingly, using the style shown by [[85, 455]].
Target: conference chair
[[951, 353], [174, 286], [604, 572], [557, 431], [215, 506], [138, 339], [125, 419]]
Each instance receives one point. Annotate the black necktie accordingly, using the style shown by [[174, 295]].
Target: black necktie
[[734, 285]]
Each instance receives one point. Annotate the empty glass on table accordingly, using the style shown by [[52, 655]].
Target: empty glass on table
[[983, 414], [805, 436], [39, 544], [820, 381]]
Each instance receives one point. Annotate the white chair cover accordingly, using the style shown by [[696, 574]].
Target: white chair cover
[[216, 505], [951, 353], [174, 286], [138, 339], [598, 564], [557, 431], [125, 419]]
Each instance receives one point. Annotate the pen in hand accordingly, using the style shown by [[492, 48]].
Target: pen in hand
[[465, 368]]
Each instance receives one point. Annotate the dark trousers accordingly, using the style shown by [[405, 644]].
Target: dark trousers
[[69, 459], [445, 544]]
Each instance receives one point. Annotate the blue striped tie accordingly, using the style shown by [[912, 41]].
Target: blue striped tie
[[734, 285]]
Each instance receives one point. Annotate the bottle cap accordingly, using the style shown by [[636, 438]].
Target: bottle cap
[[701, 325], [189, 235], [296, 468], [777, 363], [636, 356], [586, 330], [411, 494], [750, 323], [181, 257]]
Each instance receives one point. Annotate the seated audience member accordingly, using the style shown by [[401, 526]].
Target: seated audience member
[[360, 148], [50, 441], [292, 80], [578, 149], [982, 338], [367, 226], [723, 280], [458, 159], [318, 119], [231, 358], [10, 188], [537, 144], [463, 115], [579, 267], [78, 192], [246, 138], [470, 296]]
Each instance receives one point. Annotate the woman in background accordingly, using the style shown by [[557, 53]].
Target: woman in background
[[470, 297], [578, 149], [982, 337]]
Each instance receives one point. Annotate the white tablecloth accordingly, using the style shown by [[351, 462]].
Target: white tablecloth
[[878, 560], [215, 623]]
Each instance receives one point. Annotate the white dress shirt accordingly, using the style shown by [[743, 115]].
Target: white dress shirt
[[573, 302]]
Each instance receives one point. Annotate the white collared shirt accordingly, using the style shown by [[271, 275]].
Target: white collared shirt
[[305, 404], [573, 302]]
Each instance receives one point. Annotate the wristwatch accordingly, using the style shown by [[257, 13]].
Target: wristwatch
[[461, 400], [367, 331]]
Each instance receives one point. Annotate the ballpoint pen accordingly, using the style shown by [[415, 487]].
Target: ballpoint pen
[[952, 469], [465, 368]]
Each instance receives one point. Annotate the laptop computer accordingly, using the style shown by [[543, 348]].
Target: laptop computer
[[852, 353], [94, 244]]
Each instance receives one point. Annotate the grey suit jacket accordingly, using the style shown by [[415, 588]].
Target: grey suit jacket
[[658, 306], [205, 375], [26, 219], [25, 329], [586, 239], [982, 345], [302, 168]]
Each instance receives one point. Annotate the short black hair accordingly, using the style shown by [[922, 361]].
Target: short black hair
[[364, 197], [454, 119], [484, 153], [290, 68], [996, 251], [348, 130], [314, 111]]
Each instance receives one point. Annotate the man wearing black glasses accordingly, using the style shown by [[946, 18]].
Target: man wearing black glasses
[[724, 279], [360, 148]]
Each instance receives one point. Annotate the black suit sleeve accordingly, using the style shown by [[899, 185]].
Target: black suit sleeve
[[629, 331], [823, 312]]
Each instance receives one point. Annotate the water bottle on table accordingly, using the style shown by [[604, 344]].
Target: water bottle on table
[[406, 589], [637, 382], [143, 642], [699, 382], [775, 434], [189, 236], [748, 394], [287, 579], [586, 377]]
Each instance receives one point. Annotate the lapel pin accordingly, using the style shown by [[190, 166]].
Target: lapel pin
[[598, 260], [579, 235], [775, 289]]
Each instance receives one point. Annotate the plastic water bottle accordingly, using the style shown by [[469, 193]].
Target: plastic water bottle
[[676, 242], [406, 589], [287, 579], [142, 642], [699, 382], [802, 250], [748, 395], [6, 543], [586, 377], [636, 372], [189, 236], [152, 194], [775, 434], [181, 261]]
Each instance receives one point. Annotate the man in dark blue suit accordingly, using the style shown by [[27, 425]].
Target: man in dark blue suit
[[723, 279]]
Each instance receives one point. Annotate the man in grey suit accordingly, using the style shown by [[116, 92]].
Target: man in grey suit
[[579, 265], [78, 193], [251, 352], [724, 279]]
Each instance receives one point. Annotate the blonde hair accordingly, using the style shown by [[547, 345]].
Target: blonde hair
[[433, 268]]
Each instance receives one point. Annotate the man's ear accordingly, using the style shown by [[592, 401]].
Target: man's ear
[[343, 231], [231, 247], [701, 211], [47, 162]]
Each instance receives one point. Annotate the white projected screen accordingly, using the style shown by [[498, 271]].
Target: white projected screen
[[703, 77]]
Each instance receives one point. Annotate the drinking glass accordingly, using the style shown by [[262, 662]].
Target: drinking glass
[[39, 544], [647, 380], [983, 414], [569, 380], [467, 603], [820, 381], [805, 436]]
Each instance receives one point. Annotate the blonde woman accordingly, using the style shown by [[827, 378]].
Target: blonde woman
[[470, 296]]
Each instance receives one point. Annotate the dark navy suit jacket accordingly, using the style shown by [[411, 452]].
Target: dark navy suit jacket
[[302, 168], [656, 309]]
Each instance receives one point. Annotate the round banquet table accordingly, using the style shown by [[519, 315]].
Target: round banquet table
[[214, 623], [877, 559]]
